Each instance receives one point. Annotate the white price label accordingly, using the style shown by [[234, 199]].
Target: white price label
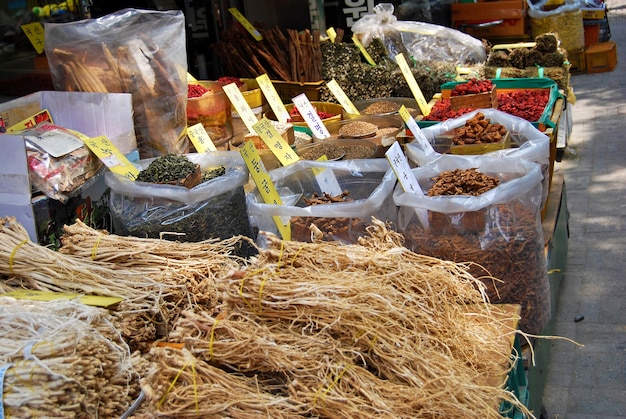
[[243, 109], [273, 98], [310, 116], [415, 129]]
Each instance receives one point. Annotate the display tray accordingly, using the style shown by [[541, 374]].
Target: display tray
[[504, 86]]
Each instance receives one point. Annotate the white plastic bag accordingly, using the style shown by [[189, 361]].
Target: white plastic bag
[[498, 232], [369, 182], [420, 40], [529, 143]]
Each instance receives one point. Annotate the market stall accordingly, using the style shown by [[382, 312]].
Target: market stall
[[333, 228]]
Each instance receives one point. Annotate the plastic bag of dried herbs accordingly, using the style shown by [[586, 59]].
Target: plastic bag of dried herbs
[[215, 208], [141, 52], [529, 143], [498, 232], [419, 40], [328, 201]]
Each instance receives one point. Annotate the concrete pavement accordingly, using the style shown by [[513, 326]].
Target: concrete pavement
[[590, 382]]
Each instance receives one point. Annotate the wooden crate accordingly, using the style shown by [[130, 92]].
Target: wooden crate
[[475, 101], [478, 19], [601, 57], [576, 59]]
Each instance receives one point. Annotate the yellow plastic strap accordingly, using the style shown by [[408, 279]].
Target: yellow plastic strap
[[22, 243], [94, 249], [212, 338], [171, 386], [330, 387]]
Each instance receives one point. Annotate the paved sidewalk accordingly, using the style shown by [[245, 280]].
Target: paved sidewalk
[[590, 382]]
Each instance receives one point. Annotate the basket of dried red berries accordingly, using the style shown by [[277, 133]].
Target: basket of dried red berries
[[474, 94]]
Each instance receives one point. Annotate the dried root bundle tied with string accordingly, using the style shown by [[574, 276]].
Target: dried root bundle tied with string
[[153, 295], [370, 330], [65, 360]]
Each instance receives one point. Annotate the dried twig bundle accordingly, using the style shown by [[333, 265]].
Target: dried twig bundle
[[65, 360]]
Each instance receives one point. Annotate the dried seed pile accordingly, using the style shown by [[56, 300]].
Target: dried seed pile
[[336, 150], [335, 331], [462, 182], [381, 107], [357, 129]]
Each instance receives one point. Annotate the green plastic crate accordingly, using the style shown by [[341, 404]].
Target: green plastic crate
[[517, 383]]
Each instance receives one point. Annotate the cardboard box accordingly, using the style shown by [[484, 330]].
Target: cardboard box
[[92, 114], [601, 57], [491, 19]]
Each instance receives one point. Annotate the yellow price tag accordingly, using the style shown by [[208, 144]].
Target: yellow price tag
[[111, 156], [275, 142], [36, 295], [277, 105], [341, 96], [332, 34], [264, 184], [245, 23], [415, 89], [31, 122], [241, 106], [361, 47], [200, 138], [190, 78], [35, 34]]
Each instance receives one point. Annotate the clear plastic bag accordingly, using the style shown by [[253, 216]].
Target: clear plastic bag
[[529, 143], [369, 182], [141, 52], [565, 20], [420, 40], [59, 164], [498, 232], [212, 209]]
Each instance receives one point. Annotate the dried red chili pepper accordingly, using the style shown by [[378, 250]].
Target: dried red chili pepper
[[196, 90], [472, 87], [442, 111], [228, 80], [527, 104]]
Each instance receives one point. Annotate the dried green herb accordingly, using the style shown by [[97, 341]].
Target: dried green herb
[[167, 169], [212, 173]]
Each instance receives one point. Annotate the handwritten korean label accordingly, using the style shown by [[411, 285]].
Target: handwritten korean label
[[275, 142], [415, 89], [310, 116], [264, 184], [200, 138], [270, 93], [243, 109], [341, 96], [35, 34]]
